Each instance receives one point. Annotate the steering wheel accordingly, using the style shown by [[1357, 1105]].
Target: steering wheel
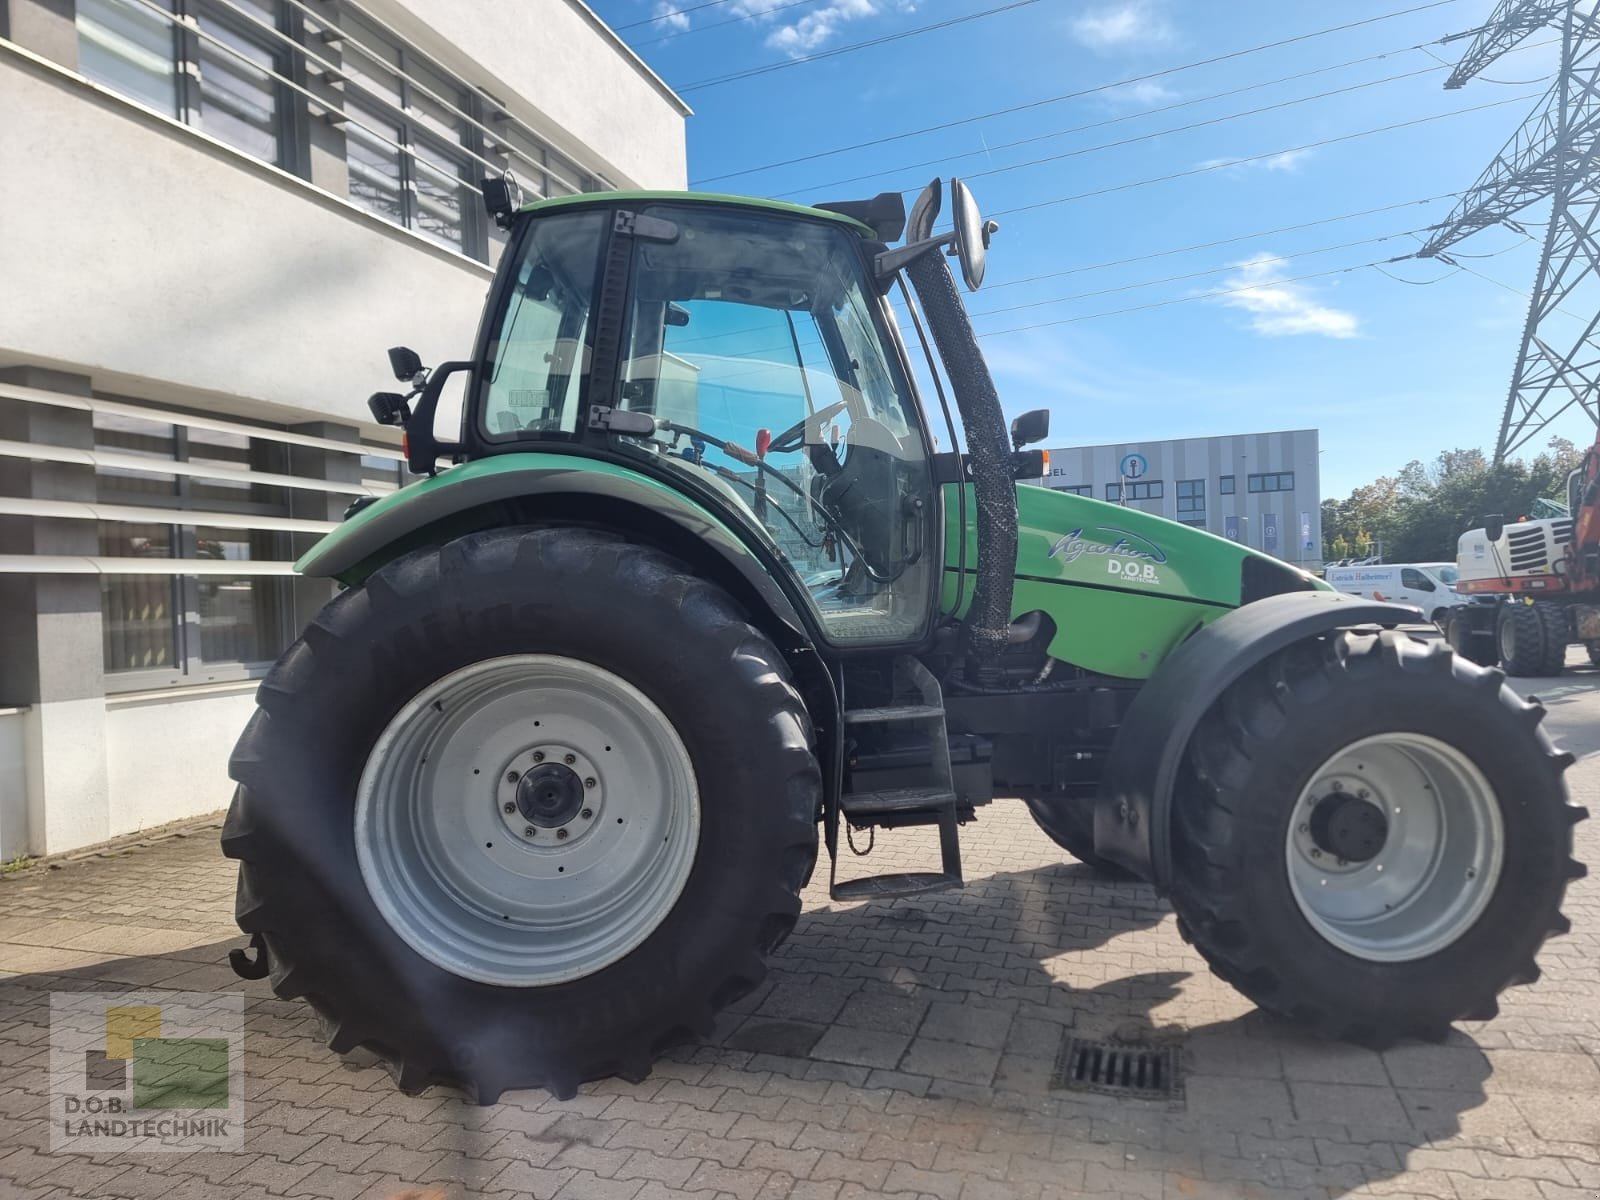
[[794, 437]]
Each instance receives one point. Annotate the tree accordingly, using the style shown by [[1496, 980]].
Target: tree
[[1419, 513]]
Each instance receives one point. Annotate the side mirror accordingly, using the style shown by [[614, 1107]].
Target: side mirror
[[1030, 427], [502, 196], [973, 234], [405, 362], [1494, 526], [388, 408]]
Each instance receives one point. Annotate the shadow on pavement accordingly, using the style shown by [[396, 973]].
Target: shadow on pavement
[[934, 1022]]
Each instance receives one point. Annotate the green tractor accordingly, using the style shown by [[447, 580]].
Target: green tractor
[[534, 796]]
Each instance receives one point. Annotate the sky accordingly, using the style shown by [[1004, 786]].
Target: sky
[[1391, 362]]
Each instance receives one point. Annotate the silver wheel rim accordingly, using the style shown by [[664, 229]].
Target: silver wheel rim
[[1422, 840], [527, 820], [1508, 642]]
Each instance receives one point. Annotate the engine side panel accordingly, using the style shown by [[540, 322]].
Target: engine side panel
[[1123, 587]]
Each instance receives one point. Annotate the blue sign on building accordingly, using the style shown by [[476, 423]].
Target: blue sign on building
[[1134, 466], [1230, 527]]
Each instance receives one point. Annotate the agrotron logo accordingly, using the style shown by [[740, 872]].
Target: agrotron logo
[[155, 1071]]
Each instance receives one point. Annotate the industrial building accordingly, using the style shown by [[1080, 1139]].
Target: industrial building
[[217, 215], [1261, 489]]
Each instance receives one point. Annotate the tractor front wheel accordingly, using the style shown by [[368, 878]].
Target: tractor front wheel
[[1523, 638], [524, 809], [1374, 839], [1466, 640], [1070, 825]]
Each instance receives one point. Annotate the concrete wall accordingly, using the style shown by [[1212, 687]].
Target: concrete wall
[[1209, 459], [167, 753], [161, 263], [575, 77], [13, 783]]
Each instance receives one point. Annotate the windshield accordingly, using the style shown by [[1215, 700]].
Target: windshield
[[757, 344], [539, 351], [1446, 573]]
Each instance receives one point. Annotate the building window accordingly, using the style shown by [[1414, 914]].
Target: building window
[[1196, 522], [1192, 497], [1077, 489], [416, 138], [1279, 481], [1113, 491], [1144, 489], [1225, 486], [223, 67], [190, 628]]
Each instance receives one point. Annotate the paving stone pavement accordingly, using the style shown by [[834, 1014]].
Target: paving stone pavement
[[897, 1049]]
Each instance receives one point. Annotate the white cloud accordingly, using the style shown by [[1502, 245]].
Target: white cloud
[[1279, 308], [670, 17], [1287, 162], [1129, 24], [1146, 93], [815, 29]]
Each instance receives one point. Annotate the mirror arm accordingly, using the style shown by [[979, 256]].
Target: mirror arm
[[889, 263], [422, 447]]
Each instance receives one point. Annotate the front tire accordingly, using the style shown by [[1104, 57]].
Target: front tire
[[558, 681], [1070, 825], [1439, 822], [1466, 641]]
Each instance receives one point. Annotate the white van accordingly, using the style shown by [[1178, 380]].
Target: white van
[[1428, 586]]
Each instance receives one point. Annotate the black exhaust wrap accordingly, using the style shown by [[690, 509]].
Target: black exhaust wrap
[[988, 450]]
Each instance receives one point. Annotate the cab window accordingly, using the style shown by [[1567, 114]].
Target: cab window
[[1415, 580]]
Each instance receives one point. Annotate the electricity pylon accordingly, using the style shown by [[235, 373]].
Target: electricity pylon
[[1551, 155]]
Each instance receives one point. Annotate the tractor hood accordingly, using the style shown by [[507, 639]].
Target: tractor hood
[[1122, 586]]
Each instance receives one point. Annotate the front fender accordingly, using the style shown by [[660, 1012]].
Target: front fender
[[1132, 814], [399, 521]]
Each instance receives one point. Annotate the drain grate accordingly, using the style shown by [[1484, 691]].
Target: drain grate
[[1140, 1072]]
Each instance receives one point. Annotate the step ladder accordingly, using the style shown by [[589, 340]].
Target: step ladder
[[932, 803]]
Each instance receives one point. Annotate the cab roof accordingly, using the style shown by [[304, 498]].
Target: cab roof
[[585, 199]]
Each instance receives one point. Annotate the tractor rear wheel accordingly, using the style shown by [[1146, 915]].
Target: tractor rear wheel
[[1521, 639], [1374, 839], [523, 810], [1070, 825], [1594, 653]]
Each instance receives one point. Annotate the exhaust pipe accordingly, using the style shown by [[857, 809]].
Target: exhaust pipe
[[988, 449]]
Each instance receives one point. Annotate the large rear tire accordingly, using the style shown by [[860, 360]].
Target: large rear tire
[[1553, 619], [524, 810], [1374, 840]]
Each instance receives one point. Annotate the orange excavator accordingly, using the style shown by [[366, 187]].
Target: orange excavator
[[1532, 586]]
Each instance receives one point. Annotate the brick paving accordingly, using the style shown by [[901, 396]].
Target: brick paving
[[897, 1049]]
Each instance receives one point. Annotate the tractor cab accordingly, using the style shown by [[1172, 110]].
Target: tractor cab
[[751, 361]]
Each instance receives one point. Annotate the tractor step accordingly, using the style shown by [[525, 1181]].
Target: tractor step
[[886, 887], [898, 801], [898, 712], [935, 802]]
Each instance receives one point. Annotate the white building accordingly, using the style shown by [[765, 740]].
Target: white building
[[215, 215], [1262, 489]]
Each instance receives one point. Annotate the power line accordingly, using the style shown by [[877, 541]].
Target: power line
[[1227, 241], [944, 159], [739, 20], [1092, 91], [1212, 295], [1130, 287], [1203, 168], [852, 47], [667, 16]]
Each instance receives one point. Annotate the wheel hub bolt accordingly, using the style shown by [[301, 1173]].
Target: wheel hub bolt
[[512, 776], [1472, 872], [1363, 793], [1337, 786], [589, 782], [587, 813], [561, 835], [1316, 853], [529, 831], [570, 759], [510, 806], [1304, 828], [538, 756]]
